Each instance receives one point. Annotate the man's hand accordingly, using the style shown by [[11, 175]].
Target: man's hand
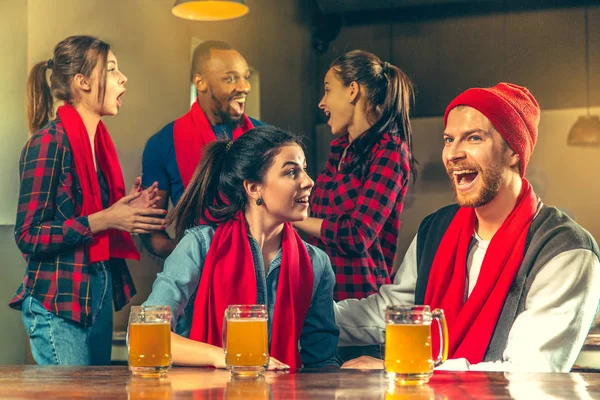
[[148, 198], [160, 243]]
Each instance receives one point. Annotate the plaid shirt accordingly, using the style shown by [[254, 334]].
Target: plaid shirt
[[52, 235], [361, 215]]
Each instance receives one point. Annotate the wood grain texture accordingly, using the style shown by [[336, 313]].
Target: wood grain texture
[[42, 383]]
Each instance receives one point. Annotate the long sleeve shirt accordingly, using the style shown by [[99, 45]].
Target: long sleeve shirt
[[177, 285], [52, 234], [546, 337], [361, 212]]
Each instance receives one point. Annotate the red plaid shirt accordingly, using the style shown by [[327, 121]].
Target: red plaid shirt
[[52, 235], [361, 214]]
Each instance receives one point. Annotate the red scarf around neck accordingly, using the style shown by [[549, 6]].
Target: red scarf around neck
[[471, 323], [191, 133], [228, 277], [111, 243]]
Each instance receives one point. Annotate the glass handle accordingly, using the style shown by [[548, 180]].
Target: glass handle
[[224, 333], [131, 319], [438, 314]]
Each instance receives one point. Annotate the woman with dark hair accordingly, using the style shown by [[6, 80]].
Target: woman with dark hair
[[358, 198], [73, 218], [251, 190]]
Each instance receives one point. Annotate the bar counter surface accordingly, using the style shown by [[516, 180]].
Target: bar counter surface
[[42, 383]]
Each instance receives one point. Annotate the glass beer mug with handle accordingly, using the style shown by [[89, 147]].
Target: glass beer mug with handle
[[246, 339], [149, 341], [408, 358]]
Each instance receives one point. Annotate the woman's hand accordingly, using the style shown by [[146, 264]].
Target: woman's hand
[[218, 358], [364, 362], [276, 365], [124, 217]]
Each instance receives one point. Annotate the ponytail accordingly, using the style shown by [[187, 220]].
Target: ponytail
[[395, 110], [40, 104], [389, 95], [202, 198]]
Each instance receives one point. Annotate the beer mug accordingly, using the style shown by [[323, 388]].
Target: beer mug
[[149, 341], [246, 340], [408, 358]]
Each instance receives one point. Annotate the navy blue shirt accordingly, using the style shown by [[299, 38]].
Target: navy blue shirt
[[160, 165]]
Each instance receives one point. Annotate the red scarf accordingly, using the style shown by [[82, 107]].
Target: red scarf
[[191, 133], [228, 277], [111, 243], [471, 323]]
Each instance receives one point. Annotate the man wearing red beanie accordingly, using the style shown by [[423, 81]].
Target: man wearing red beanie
[[518, 280]]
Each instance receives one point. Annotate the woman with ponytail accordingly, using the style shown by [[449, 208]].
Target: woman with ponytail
[[250, 190], [74, 218], [358, 198]]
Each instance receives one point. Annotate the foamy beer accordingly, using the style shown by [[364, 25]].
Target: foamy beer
[[245, 339], [408, 358], [149, 341]]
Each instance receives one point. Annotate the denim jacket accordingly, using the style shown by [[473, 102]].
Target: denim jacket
[[176, 287]]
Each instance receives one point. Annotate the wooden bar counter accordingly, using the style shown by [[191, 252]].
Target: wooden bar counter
[[42, 383]]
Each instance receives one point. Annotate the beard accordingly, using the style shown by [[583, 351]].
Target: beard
[[222, 108], [489, 185]]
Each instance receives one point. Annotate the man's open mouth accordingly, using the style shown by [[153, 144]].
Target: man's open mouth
[[237, 104], [463, 178]]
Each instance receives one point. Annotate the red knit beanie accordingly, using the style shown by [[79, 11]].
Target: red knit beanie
[[512, 110]]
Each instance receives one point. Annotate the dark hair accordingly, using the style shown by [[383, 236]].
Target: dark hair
[[216, 189], [74, 55], [202, 54], [389, 94]]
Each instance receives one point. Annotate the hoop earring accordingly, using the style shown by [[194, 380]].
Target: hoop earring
[[259, 201]]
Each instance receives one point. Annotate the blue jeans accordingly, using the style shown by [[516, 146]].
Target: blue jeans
[[59, 341]]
